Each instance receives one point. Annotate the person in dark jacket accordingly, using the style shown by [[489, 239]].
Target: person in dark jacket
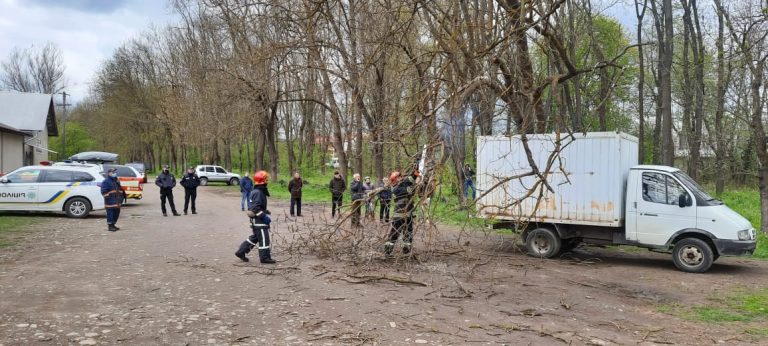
[[337, 187], [260, 221], [469, 181], [190, 182], [368, 198], [358, 197], [385, 197], [294, 186], [113, 198], [246, 186], [403, 190], [166, 182]]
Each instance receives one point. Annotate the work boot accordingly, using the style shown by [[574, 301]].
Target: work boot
[[388, 247], [268, 261], [194, 212], [241, 256], [165, 214], [111, 228], [185, 212], [116, 228], [176, 214]]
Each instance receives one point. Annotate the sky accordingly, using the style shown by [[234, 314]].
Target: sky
[[86, 31]]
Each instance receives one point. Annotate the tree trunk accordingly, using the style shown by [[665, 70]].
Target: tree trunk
[[641, 81], [668, 145], [720, 106]]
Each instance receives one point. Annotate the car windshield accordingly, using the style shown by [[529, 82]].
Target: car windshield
[[694, 186]]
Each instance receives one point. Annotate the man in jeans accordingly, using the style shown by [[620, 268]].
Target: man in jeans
[[246, 186], [337, 187], [358, 198], [469, 182]]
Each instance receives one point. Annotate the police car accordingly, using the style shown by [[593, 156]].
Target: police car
[[73, 189]]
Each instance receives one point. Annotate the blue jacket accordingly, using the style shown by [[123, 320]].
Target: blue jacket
[[385, 193], [246, 185], [112, 192], [257, 201]]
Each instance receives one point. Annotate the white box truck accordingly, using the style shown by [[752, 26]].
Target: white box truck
[[591, 190]]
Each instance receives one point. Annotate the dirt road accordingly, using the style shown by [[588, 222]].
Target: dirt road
[[175, 280]]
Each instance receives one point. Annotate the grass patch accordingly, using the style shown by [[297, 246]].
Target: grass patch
[[747, 203], [740, 306], [11, 227]]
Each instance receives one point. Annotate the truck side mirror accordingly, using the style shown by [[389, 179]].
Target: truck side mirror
[[684, 200]]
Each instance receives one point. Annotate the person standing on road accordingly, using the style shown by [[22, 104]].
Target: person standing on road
[[113, 198], [337, 187], [260, 221], [166, 182], [190, 182], [469, 181], [246, 186], [358, 197], [294, 187], [403, 190], [385, 196], [367, 192]]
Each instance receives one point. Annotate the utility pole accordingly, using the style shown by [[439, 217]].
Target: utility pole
[[62, 152]]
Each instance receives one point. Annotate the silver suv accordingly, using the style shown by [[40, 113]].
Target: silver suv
[[209, 173]]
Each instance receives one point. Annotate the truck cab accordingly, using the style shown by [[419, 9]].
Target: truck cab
[[666, 209]]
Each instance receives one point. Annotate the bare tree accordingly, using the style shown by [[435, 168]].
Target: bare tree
[[34, 70]]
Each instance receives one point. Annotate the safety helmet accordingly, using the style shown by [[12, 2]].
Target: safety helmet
[[393, 177], [260, 177]]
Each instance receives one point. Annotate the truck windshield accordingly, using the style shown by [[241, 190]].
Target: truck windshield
[[691, 184]]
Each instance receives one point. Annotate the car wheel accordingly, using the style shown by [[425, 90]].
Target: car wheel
[[542, 242], [692, 255], [203, 181], [233, 181], [77, 207]]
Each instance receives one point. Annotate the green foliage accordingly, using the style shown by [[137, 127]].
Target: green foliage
[[77, 137], [745, 305], [747, 203], [12, 226]]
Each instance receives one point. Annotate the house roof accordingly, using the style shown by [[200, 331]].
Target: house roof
[[10, 129], [28, 111]]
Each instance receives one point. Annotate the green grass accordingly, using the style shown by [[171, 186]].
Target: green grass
[[740, 306], [747, 203], [12, 226]]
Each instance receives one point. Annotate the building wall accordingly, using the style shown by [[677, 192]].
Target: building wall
[[39, 141], [11, 152]]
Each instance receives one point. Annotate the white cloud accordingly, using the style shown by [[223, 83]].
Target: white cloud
[[87, 31]]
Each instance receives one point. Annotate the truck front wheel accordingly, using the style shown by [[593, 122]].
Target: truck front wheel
[[692, 255], [542, 242]]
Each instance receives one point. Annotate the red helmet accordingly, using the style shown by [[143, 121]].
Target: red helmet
[[393, 177], [260, 177]]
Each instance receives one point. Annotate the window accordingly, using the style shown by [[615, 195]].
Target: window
[[123, 171], [81, 176], [220, 170], [25, 176], [209, 169], [661, 188], [57, 176]]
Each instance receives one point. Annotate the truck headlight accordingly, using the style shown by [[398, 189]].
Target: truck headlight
[[746, 234]]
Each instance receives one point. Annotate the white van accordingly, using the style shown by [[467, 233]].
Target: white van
[[73, 189]]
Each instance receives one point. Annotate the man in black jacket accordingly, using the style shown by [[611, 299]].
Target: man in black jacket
[[190, 182], [294, 187], [337, 187], [166, 182], [403, 190], [260, 221], [358, 197]]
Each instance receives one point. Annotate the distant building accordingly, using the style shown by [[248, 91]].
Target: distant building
[[31, 116]]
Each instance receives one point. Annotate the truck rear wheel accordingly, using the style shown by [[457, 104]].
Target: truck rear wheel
[[203, 181], [692, 255], [542, 242]]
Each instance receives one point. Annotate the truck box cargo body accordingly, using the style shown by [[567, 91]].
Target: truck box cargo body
[[588, 177], [599, 196]]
